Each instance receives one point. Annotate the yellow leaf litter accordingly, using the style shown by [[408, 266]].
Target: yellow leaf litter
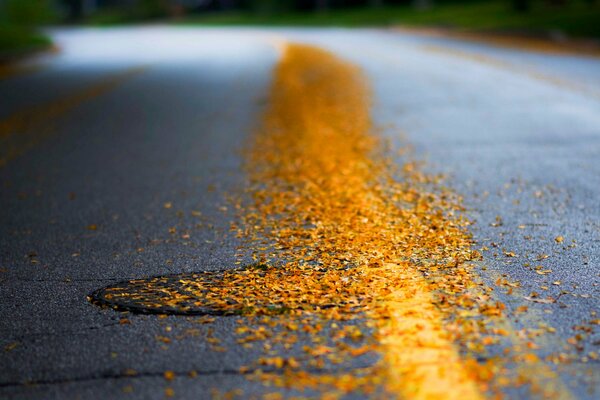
[[355, 256], [328, 200]]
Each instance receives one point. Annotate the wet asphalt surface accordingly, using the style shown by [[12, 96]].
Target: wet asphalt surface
[[517, 134]]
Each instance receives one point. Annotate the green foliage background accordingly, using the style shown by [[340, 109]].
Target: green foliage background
[[19, 20]]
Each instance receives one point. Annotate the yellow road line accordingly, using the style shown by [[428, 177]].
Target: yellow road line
[[507, 66], [328, 197], [534, 45], [315, 156], [9, 71], [420, 360], [26, 128], [25, 66], [340, 234]]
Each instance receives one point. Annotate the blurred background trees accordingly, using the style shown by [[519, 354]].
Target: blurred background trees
[[19, 20], [144, 9], [26, 12]]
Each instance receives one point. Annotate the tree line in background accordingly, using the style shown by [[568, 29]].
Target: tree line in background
[[35, 12], [151, 7], [156, 8]]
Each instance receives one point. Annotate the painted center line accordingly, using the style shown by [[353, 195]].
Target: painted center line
[[356, 255], [24, 129]]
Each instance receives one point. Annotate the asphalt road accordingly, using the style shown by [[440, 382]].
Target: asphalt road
[[122, 122]]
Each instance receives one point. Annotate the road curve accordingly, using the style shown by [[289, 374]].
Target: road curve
[[120, 154]]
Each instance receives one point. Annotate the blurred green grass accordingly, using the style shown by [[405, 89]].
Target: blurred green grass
[[576, 18], [19, 21], [15, 40]]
